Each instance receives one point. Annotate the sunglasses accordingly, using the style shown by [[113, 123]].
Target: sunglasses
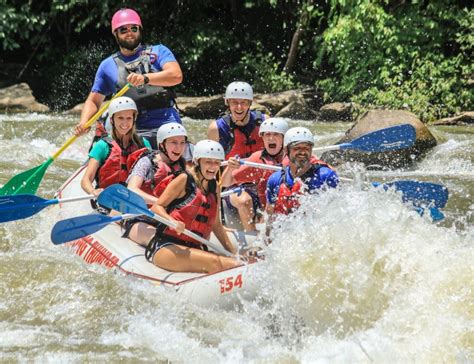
[[235, 102], [124, 30]]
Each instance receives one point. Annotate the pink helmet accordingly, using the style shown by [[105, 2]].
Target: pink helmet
[[125, 17]]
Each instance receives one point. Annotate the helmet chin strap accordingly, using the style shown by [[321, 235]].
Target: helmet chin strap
[[163, 150], [274, 155], [200, 172]]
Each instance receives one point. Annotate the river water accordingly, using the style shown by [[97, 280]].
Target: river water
[[353, 276]]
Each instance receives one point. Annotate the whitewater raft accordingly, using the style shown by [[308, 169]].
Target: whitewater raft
[[107, 248]]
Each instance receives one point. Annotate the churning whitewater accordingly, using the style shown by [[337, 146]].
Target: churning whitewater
[[355, 275]]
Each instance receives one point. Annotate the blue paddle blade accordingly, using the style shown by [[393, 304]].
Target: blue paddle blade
[[78, 227], [435, 214], [120, 198], [424, 192], [16, 207], [429, 193], [392, 138]]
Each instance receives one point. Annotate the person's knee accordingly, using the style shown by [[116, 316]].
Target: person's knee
[[219, 263], [244, 200], [141, 233]]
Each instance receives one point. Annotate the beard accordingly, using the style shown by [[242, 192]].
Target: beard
[[300, 163], [131, 45]]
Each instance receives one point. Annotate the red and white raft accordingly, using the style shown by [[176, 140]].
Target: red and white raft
[[106, 247]]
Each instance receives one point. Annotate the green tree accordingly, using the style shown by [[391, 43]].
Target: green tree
[[415, 55]]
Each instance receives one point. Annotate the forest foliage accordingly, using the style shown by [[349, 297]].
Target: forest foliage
[[407, 54]]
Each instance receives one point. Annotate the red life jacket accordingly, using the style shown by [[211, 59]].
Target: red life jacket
[[134, 157], [115, 167], [243, 143], [196, 210], [265, 174], [153, 186], [156, 185], [288, 197]]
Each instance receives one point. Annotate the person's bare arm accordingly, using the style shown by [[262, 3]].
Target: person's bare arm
[[91, 106], [88, 178], [176, 189], [227, 178], [171, 75], [213, 132], [134, 184], [221, 234]]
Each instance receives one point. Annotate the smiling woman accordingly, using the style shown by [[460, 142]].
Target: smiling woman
[[190, 202], [150, 169], [107, 163]]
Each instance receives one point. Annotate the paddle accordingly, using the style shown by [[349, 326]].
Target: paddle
[[435, 214], [28, 181], [118, 197], [391, 138], [255, 165], [237, 190], [424, 192], [18, 207], [80, 226], [411, 190], [430, 193]]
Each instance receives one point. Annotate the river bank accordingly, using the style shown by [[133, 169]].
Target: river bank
[[304, 104]]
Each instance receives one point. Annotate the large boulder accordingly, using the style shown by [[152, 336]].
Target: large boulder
[[297, 109], [76, 110], [293, 103], [19, 98], [337, 111], [205, 107], [379, 119], [208, 107], [299, 104]]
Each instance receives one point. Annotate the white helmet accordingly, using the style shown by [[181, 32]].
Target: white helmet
[[298, 135], [208, 149], [170, 130], [239, 90], [273, 125], [120, 104]]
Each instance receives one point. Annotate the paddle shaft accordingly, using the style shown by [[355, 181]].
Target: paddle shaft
[[256, 165], [120, 198], [194, 236], [73, 199], [230, 192], [328, 148]]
